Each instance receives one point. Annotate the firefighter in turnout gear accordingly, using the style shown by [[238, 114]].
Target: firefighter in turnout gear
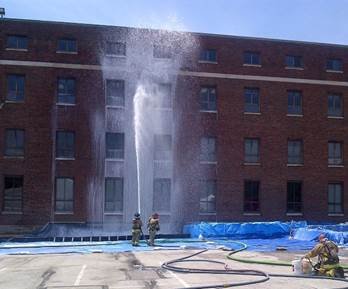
[[328, 261], [136, 229], [153, 227]]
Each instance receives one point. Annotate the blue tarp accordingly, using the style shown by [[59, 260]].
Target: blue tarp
[[255, 230], [310, 234]]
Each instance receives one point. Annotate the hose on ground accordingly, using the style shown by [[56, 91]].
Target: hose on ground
[[226, 271]]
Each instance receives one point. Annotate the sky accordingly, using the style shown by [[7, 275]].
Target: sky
[[306, 20]]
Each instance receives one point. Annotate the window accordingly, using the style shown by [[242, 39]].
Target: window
[[162, 147], [335, 153], [251, 196], [293, 61], [160, 51], [17, 42], [65, 144], [252, 100], [15, 87], [115, 92], [207, 203], [64, 195], [161, 195], [334, 65], [114, 145], [13, 194], [163, 93], [14, 146], [67, 45], [208, 149], [208, 98], [335, 105], [115, 48], [113, 195], [252, 58], [294, 102], [294, 197], [335, 198], [208, 55], [66, 90], [295, 152], [251, 150]]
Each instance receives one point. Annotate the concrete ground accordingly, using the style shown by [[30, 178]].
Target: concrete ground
[[137, 270]]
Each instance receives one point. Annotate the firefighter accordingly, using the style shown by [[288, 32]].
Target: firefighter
[[328, 261], [153, 227], [136, 229]]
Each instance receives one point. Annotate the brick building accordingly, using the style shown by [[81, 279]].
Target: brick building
[[247, 129]]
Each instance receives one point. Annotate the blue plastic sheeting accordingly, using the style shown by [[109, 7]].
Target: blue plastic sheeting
[[173, 244], [310, 234], [254, 230]]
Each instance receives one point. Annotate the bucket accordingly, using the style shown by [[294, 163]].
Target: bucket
[[301, 267]]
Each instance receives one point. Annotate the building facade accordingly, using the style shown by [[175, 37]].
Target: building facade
[[98, 122]]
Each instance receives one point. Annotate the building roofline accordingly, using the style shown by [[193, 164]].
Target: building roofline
[[189, 32]]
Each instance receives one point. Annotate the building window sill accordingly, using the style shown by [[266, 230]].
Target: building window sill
[[294, 214], [14, 101], [294, 68], [335, 117], [207, 62], [114, 160], [334, 71], [252, 113], [11, 213], [252, 214], [113, 213], [66, 52], [65, 159], [295, 115], [251, 65], [335, 214], [17, 49], [63, 213], [116, 56], [114, 106], [162, 161], [335, 166], [14, 157], [252, 164], [295, 165], [163, 59], [65, 104], [169, 109], [208, 162], [207, 214], [209, 111]]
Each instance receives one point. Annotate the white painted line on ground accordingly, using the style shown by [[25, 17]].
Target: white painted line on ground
[[3, 269], [79, 277], [182, 282], [129, 286]]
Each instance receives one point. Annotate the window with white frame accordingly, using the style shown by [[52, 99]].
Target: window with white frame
[[294, 197], [161, 194], [115, 92], [64, 201], [335, 105], [208, 98], [295, 152], [208, 149], [207, 202], [115, 48], [162, 51], [15, 87], [294, 61], [208, 55], [14, 142], [65, 144], [252, 58], [334, 65], [251, 100], [113, 195], [67, 45], [335, 153], [251, 196], [163, 93], [335, 198], [252, 150], [66, 91], [294, 102], [114, 145]]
